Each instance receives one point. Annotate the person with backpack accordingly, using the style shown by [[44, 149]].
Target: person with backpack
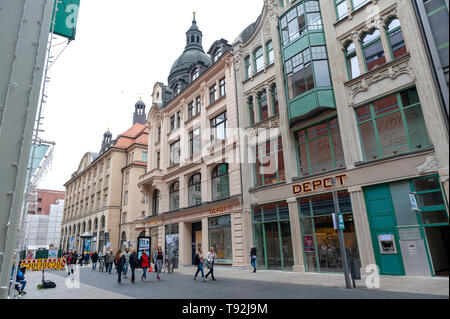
[[94, 260], [199, 263], [133, 260], [118, 262], [126, 256], [253, 258], [211, 258], [145, 264], [158, 260]]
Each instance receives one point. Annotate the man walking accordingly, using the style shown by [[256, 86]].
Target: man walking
[[126, 258], [133, 263], [110, 261], [94, 260]]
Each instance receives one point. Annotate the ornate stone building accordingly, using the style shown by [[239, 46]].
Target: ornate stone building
[[193, 181], [102, 197], [347, 90]]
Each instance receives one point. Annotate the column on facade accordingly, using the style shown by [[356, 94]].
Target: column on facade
[[384, 41], [205, 236], [254, 96], [362, 228], [356, 39], [185, 253], [269, 99], [162, 237], [296, 236], [237, 240]]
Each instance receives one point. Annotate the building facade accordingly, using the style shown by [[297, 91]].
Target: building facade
[[355, 103], [102, 197], [193, 181], [43, 230], [42, 199]]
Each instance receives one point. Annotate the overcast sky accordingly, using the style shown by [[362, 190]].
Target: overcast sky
[[121, 49]]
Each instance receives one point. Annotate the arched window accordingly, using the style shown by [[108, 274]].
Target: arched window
[[220, 182], [258, 59], [351, 60], [372, 49], [263, 106], [124, 240], [89, 225], [95, 224], [174, 196], [84, 228], [198, 39], [192, 38], [395, 36], [155, 206], [195, 190], [141, 234], [102, 223]]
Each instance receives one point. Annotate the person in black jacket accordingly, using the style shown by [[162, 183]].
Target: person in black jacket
[[119, 261], [94, 260], [133, 263], [253, 257]]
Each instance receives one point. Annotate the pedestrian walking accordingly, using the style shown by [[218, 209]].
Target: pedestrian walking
[[145, 264], [68, 263], [253, 257], [211, 258], [94, 260], [199, 263], [158, 259], [133, 263], [110, 261], [172, 259], [126, 256], [73, 262], [80, 261], [118, 262], [87, 257]]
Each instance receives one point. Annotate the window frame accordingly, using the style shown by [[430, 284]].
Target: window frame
[[270, 53], [258, 56], [260, 152], [193, 184], [392, 32], [348, 57], [371, 42], [212, 94], [174, 203], [214, 124], [192, 138], [216, 174], [175, 146]]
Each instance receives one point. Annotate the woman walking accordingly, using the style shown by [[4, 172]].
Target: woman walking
[[110, 261], [211, 257], [133, 261], [118, 261], [253, 257], [144, 265], [158, 258], [199, 263]]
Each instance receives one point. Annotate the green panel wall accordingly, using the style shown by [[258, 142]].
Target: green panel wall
[[381, 214], [326, 98]]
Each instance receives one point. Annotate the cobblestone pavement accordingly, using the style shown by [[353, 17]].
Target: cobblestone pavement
[[231, 284]]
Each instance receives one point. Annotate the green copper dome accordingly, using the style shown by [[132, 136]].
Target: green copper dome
[[193, 54]]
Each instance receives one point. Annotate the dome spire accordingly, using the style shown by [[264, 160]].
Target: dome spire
[[193, 20]]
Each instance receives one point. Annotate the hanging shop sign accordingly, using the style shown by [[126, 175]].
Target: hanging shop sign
[[66, 18], [318, 184], [44, 264]]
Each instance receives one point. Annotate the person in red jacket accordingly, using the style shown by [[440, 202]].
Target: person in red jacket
[[144, 265]]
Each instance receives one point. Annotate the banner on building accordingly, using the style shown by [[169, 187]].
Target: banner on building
[[44, 264], [66, 18]]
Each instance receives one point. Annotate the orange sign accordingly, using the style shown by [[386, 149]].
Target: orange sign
[[218, 210], [315, 185]]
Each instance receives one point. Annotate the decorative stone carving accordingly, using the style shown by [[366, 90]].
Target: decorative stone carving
[[253, 200], [392, 71], [431, 165]]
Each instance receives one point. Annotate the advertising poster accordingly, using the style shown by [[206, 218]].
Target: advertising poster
[[53, 253], [309, 243], [144, 243], [87, 246], [172, 247], [30, 254]]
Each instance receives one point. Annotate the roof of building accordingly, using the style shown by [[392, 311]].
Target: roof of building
[[137, 134]]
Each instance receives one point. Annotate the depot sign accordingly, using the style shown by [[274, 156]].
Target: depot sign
[[318, 184]]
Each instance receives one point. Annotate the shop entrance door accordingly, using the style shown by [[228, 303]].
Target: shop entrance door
[[196, 239], [438, 245]]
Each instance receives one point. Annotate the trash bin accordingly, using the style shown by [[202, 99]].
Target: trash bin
[[355, 268]]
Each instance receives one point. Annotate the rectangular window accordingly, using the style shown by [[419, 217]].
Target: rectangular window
[[212, 94], [269, 167], [175, 153], [127, 178], [219, 127], [275, 104], [194, 142], [158, 160], [219, 235], [359, 3], [144, 157], [258, 60], [392, 125], [222, 87], [319, 148], [191, 110], [248, 69], [159, 134], [172, 123], [125, 198], [270, 54], [341, 9], [251, 111], [197, 105], [178, 119], [263, 106], [352, 61]]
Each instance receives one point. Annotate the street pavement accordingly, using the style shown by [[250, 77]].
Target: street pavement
[[231, 284]]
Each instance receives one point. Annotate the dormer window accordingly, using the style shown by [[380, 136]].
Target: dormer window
[[195, 74], [217, 55]]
